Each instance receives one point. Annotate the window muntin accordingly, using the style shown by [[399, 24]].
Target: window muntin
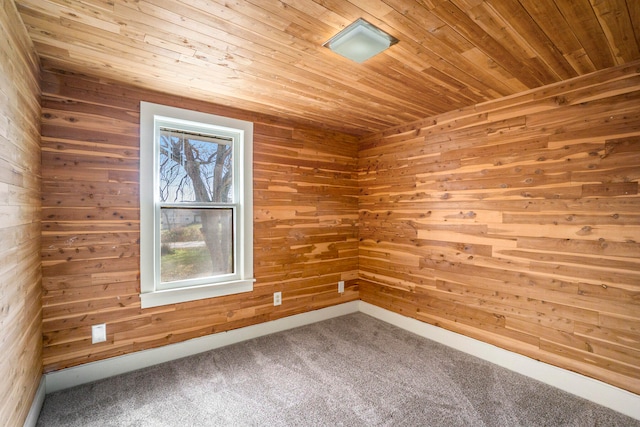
[[196, 200]]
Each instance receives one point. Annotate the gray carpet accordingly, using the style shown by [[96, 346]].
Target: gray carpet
[[348, 371]]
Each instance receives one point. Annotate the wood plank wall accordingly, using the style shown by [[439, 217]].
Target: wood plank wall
[[20, 277], [305, 227], [516, 222]]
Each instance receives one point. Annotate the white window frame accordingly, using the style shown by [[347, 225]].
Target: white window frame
[[152, 294]]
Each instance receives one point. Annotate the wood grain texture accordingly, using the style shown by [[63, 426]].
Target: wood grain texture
[[267, 56], [305, 224], [20, 276], [516, 222]]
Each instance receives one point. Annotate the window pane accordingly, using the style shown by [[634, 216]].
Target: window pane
[[195, 167], [195, 243]]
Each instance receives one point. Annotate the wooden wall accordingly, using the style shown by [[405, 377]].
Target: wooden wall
[[305, 227], [516, 222], [20, 278]]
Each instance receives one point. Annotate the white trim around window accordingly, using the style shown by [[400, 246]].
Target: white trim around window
[[153, 292]]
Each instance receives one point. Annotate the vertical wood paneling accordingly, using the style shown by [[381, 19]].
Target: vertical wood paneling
[[305, 227], [20, 277], [516, 222]]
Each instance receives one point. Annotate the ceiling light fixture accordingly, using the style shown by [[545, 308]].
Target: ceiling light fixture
[[360, 41]]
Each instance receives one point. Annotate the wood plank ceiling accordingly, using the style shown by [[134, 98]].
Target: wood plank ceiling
[[267, 56]]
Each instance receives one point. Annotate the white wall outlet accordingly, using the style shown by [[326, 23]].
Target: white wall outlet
[[98, 333], [341, 286], [277, 298]]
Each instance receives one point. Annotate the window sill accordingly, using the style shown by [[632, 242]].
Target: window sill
[[178, 295]]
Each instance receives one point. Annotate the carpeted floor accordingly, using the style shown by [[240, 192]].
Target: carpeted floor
[[348, 371]]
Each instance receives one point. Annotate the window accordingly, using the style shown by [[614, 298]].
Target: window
[[196, 229]]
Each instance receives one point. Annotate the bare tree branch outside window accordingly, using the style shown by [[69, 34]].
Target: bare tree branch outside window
[[197, 239]]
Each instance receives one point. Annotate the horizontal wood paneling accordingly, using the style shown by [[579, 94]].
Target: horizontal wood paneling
[[305, 226], [267, 56], [516, 222], [20, 276]]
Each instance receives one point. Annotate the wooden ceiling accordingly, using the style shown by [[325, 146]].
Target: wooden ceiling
[[266, 56]]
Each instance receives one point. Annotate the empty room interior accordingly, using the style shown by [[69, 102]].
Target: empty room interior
[[179, 176]]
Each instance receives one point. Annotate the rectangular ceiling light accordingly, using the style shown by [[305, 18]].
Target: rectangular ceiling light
[[360, 41]]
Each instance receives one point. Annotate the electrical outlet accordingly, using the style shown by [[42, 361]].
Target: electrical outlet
[[341, 286], [277, 298], [98, 333]]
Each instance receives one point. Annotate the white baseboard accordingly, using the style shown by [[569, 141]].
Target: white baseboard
[[588, 388], [36, 405], [94, 371]]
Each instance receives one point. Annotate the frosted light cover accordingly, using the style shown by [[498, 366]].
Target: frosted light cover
[[360, 41]]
